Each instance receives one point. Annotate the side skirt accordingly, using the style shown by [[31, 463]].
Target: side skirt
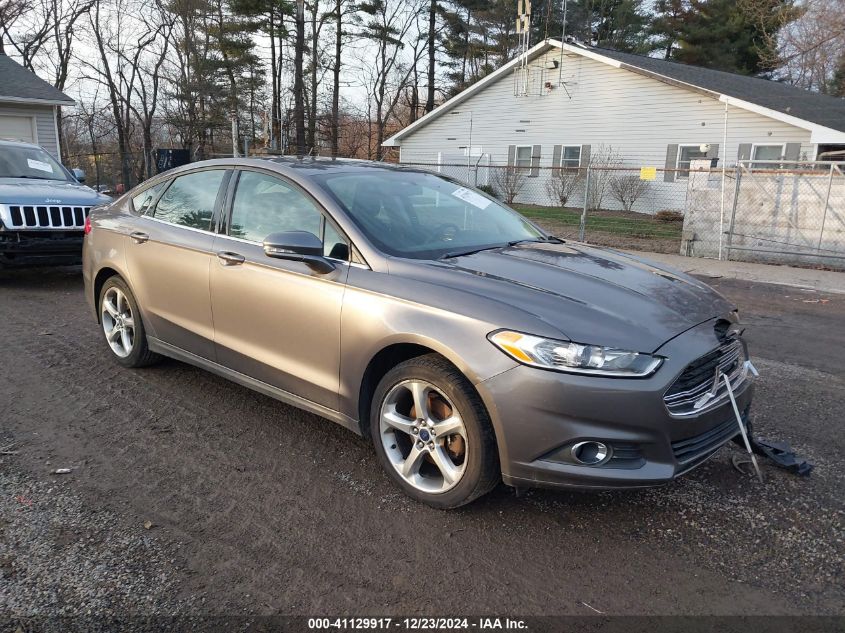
[[166, 349]]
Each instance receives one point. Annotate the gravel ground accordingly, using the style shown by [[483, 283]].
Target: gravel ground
[[61, 556], [262, 509]]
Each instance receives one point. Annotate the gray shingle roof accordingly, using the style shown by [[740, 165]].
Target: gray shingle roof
[[17, 83], [803, 104]]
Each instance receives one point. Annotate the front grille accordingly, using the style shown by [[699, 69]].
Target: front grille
[[29, 217], [693, 450], [683, 397]]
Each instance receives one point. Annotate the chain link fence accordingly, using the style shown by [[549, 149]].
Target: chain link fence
[[759, 211], [763, 211]]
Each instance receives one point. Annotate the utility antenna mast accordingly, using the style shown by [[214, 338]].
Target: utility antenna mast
[[523, 30]]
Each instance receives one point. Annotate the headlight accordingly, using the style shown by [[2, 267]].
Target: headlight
[[574, 357]]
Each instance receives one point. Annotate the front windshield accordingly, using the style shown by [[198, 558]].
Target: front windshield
[[18, 161], [423, 216]]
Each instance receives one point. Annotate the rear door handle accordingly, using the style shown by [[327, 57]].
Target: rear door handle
[[138, 237], [227, 258]]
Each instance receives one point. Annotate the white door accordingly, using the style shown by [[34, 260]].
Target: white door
[[19, 128]]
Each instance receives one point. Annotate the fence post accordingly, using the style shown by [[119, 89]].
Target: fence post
[[733, 210], [826, 205], [583, 228]]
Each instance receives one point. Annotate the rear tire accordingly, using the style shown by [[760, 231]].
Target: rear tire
[[432, 434], [122, 325]]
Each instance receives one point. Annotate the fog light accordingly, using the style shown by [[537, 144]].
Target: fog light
[[589, 453]]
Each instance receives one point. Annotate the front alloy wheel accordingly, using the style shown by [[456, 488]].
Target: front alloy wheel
[[432, 433], [424, 437]]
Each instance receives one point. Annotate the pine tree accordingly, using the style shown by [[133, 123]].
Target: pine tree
[[726, 35]]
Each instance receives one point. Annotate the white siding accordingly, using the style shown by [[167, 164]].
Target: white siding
[[637, 115], [45, 124]]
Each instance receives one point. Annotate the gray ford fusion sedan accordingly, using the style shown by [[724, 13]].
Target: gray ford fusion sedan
[[468, 345]]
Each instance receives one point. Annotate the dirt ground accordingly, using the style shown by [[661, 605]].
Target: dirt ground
[[191, 495]]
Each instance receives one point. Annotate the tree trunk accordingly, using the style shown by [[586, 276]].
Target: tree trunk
[[338, 45], [432, 25], [312, 111], [298, 83]]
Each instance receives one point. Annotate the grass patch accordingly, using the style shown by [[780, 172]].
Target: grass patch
[[619, 222]]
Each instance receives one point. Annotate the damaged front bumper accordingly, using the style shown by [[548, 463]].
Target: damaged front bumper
[[40, 248]]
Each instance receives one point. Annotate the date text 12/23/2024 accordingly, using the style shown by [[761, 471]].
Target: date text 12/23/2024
[[416, 624]]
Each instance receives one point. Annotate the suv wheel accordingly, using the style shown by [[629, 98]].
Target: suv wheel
[[122, 325], [432, 433]]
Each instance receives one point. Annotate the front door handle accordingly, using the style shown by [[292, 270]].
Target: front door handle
[[227, 258], [138, 237]]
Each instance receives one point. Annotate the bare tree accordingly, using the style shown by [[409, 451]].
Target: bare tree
[[809, 46], [147, 92], [10, 12], [508, 182], [602, 163], [35, 20], [626, 189], [562, 183], [116, 68], [388, 24]]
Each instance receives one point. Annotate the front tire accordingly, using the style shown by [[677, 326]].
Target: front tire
[[432, 434], [122, 325]]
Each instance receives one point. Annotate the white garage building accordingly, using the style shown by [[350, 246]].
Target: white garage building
[[28, 106]]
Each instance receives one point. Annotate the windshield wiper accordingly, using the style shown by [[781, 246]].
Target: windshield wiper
[[34, 177], [538, 240], [472, 251], [478, 249]]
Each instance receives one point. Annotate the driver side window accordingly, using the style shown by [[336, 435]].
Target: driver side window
[[265, 204]]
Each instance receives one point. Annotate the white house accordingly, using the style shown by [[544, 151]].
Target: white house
[[554, 106], [28, 106]]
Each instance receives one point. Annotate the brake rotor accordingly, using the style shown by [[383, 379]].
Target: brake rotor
[[440, 410]]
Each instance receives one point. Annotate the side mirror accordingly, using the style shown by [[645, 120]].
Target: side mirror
[[298, 246], [78, 174]]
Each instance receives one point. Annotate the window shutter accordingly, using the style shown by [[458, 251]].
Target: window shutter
[[535, 161], [792, 152], [511, 155], [744, 151], [585, 156], [671, 163], [556, 155]]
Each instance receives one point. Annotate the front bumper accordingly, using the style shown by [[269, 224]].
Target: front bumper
[[539, 414], [40, 248]]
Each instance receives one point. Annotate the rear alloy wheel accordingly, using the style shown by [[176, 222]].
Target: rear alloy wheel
[[122, 325], [118, 322], [433, 434]]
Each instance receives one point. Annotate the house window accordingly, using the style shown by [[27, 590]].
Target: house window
[[766, 152], [570, 156], [687, 154], [523, 157]]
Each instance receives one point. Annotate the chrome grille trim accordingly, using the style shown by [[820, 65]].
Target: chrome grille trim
[[38, 217], [730, 358]]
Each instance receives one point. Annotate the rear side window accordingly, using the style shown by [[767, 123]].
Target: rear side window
[[190, 200], [143, 202]]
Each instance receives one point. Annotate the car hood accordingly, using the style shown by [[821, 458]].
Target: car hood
[[41, 192], [591, 295]]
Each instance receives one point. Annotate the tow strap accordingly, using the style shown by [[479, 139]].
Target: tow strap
[[779, 452]]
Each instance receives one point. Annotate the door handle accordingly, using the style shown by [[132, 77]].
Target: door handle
[[138, 237], [227, 258]]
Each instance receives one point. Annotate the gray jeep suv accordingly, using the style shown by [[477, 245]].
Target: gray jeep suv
[[43, 208]]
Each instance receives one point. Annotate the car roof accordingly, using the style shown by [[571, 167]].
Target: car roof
[[303, 167]]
